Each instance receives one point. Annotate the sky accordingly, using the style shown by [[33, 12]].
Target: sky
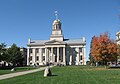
[[24, 19]]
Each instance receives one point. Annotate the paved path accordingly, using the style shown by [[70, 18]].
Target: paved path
[[5, 76]]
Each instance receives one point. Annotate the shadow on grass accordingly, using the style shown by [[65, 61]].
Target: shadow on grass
[[52, 76]]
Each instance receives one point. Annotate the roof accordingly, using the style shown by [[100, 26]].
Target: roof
[[53, 42], [66, 41], [117, 33], [37, 42], [75, 41]]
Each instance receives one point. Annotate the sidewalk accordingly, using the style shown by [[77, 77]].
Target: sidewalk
[[5, 76]]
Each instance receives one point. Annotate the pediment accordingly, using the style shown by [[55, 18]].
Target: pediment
[[54, 42]]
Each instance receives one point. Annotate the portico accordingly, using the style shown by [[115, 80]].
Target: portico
[[55, 55]]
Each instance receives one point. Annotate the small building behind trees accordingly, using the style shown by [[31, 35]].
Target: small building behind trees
[[118, 43]]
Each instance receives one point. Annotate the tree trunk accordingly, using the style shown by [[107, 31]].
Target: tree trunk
[[105, 64], [96, 64]]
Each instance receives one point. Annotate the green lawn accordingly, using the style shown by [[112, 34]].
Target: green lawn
[[70, 75], [5, 72], [18, 69]]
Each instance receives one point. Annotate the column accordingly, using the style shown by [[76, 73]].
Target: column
[[40, 56], [70, 62], [77, 58], [34, 57], [52, 54], [64, 58], [49, 54], [84, 55], [46, 55], [28, 56], [57, 54]]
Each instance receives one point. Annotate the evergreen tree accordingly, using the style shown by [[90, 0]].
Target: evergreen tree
[[14, 55], [2, 52], [91, 58]]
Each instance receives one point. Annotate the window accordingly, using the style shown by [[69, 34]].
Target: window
[[118, 37], [74, 51], [30, 58], [50, 58], [37, 58], [80, 49], [80, 57], [43, 50], [43, 58], [30, 50], [68, 50], [37, 50], [56, 33]]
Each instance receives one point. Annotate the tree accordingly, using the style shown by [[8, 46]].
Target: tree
[[2, 51], [14, 55], [91, 58], [104, 49]]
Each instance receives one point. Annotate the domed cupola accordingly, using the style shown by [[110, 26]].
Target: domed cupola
[[56, 29], [56, 25]]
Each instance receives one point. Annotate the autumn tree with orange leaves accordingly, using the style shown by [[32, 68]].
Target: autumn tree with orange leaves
[[104, 49]]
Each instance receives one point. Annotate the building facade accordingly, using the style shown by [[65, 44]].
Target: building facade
[[24, 55], [57, 50], [118, 37], [118, 42]]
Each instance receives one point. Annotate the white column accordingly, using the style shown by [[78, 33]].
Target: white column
[[46, 55], [84, 55], [52, 54], [77, 58], [58, 54], [49, 53], [64, 58], [70, 62], [34, 57], [40, 56], [28, 56]]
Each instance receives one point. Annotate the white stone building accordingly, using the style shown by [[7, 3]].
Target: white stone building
[[57, 50], [118, 42], [118, 37]]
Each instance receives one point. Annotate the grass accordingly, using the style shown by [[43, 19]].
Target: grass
[[4, 72], [18, 69], [69, 75]]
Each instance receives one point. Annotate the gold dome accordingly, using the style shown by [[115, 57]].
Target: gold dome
[[57, 21]]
